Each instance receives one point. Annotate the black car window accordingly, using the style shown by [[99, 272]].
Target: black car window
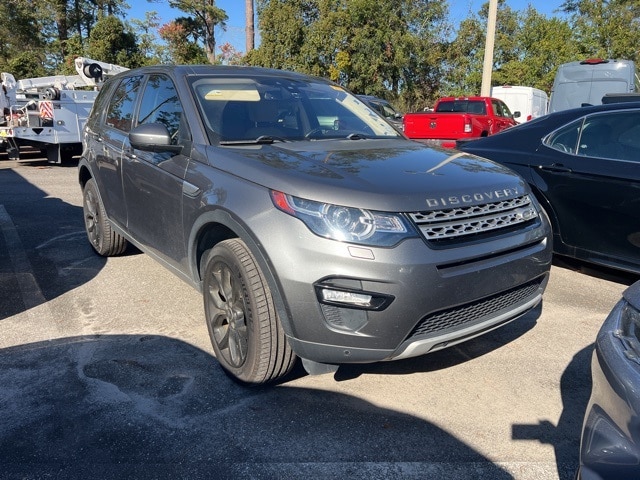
[[120, 111], [611, 135], [565, 139], [160, 104], [387, 110]]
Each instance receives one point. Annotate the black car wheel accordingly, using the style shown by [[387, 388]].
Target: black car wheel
[[245, 331], [103, 239]]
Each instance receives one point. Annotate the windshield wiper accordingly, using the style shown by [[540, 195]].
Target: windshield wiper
[[261, 140]]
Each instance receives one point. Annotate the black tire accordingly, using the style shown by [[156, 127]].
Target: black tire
[[245, 330], [102, 237]]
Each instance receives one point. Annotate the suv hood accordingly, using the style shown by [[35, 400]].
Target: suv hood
[[388, 175]]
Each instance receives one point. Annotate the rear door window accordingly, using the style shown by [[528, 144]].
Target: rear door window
[[565, 139]]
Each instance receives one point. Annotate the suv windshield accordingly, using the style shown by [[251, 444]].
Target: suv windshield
[[239, 110]]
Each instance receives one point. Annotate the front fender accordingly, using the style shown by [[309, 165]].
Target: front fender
[[227, 226]]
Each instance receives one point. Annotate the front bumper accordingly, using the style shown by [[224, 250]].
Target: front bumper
[[440, 297]]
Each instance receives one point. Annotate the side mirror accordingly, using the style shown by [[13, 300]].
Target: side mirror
[[152, 137], [516, 114]]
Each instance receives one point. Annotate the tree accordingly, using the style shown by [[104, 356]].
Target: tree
[[21, 27], [182, 49], [111, 42], [385, 48], [205, 18], [151, 50], [283, 33], [538, 54], [229, 55], [606, 29], [464, 58], [526, 51], [26, 65]]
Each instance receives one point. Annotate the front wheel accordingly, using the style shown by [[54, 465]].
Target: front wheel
[[244, 327]]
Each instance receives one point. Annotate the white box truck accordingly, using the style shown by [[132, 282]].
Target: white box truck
[[585, 82], [526, 103]]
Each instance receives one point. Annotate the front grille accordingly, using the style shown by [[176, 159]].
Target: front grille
[[474, 312], [457, 222]]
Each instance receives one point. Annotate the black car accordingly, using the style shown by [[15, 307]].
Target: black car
[[610, 444], [385, 109], [584, 167]]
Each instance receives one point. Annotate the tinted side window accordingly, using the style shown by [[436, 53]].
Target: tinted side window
[[566, 138], [611, 135], [120, 111], [160, 104], [100, 105]]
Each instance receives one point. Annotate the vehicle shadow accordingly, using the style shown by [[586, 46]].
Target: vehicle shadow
[[152, 407], [597, 271], [44, 251], [451, 356]]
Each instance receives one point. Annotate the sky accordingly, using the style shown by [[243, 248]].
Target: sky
[[459, 10]]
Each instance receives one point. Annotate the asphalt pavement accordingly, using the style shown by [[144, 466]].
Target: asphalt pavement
[[106, 371]]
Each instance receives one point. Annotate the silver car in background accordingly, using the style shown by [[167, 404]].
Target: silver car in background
[[311, 226]]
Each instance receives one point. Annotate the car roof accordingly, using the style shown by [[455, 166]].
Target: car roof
[[223, 70], [530, 133]]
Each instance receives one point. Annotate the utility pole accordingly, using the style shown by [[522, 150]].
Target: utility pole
[[487, 66]]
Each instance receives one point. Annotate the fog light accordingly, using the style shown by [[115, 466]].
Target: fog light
[[349, 298], [339, 295]]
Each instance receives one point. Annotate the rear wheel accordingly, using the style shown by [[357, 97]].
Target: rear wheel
[[103, 239], [244, 327]]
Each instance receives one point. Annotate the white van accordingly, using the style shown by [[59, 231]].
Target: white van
[[528, 101], [585, 83]]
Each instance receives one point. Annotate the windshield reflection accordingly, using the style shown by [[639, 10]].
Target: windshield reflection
[[267, 110]]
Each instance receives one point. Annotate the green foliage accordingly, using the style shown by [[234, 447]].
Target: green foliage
[[528, 49], [406, 51], [21, 27], [203, 18], [110, 42], [151, 51], [26, 65], [181, 48], [605, 29], [388, 48]]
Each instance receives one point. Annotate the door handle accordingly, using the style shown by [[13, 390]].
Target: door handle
[[128, 152], [557, 168]]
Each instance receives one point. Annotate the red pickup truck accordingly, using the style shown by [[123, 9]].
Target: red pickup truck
[[455, 118]]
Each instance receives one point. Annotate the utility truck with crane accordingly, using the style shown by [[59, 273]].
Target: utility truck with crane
[[49, 113]]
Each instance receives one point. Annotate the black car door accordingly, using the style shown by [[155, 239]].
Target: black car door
[[153, 181], [590, 172], [106, 144]]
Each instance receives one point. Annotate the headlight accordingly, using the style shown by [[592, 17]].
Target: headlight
[[345, 224]]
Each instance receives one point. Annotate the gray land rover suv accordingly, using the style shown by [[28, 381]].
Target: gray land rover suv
[[312, 228]]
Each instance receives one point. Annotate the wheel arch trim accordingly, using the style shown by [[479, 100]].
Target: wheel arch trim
[[233, 224]]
